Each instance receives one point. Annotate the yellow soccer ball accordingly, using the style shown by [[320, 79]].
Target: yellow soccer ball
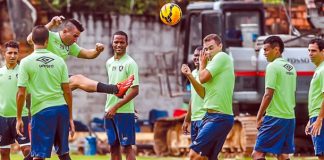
[[170, 14]]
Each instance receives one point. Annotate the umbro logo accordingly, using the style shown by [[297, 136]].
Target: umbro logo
[[288, 67], [22, 138], [45, 59]]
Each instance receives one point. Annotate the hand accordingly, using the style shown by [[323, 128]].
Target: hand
[[259, 123], [111, 112], [185, 127], [316, 127], [203, 59], [136, 114], [307, 128], [185, 70], [20, 127], [99, 47], [57, 20], [72, 128]]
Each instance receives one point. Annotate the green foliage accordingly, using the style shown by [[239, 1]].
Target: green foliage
[[136, 7], [272, 1]]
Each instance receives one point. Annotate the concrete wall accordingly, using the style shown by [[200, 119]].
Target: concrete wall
[[147, 37]]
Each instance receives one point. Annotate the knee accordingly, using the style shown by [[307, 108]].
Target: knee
[[321, 157], [28, 157], [253, 155], [283, 157], [75, 81], [76, 78], [25, 150], [115, 148], [191, 156], [194, 156], [65, 157], [258, 155], [127, 149]]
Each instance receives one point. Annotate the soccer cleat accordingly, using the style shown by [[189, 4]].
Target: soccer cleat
[[124, 86]]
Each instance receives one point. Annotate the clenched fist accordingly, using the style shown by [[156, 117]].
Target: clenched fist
[[185, 70], [57, 20], [99, 47]]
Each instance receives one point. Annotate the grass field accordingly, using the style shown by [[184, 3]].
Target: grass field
[[82, 157]]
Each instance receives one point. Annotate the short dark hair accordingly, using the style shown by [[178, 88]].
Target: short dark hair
[[199, 48], [319, 42], [40, 35], [122, 33], [275, 41], [75, 23], [214, 37], [11, 44]]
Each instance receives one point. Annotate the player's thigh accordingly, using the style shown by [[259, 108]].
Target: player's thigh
[[61, 142], [125, 123]]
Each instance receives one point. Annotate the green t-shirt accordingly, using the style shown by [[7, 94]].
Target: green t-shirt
[[56, 46], [42, 73], [8, 91], [118, 71], [197, 103], [219, 89], [281, 76], [316, 90]]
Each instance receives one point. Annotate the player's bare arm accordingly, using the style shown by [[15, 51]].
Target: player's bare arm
[[267, 97], [307, 132], [204, 74], [55, 22], [128, 97], [197, 86], [317, 125], [91, 53], [67, 93], [21, 97], [187, 120]]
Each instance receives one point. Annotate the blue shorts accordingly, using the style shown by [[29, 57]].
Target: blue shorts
[[276, 135], [318, 141], [8, 133], [50, 127], [212, 134], [195, 127], [121, 129]]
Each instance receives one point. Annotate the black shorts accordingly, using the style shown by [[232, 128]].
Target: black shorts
[[8, 133]]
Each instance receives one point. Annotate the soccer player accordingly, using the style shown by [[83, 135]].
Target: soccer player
[[315, 98], [8, 109], [120, 119], [45, 76], [276, 128], [63, 43], [196, 112], [216, 88]]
